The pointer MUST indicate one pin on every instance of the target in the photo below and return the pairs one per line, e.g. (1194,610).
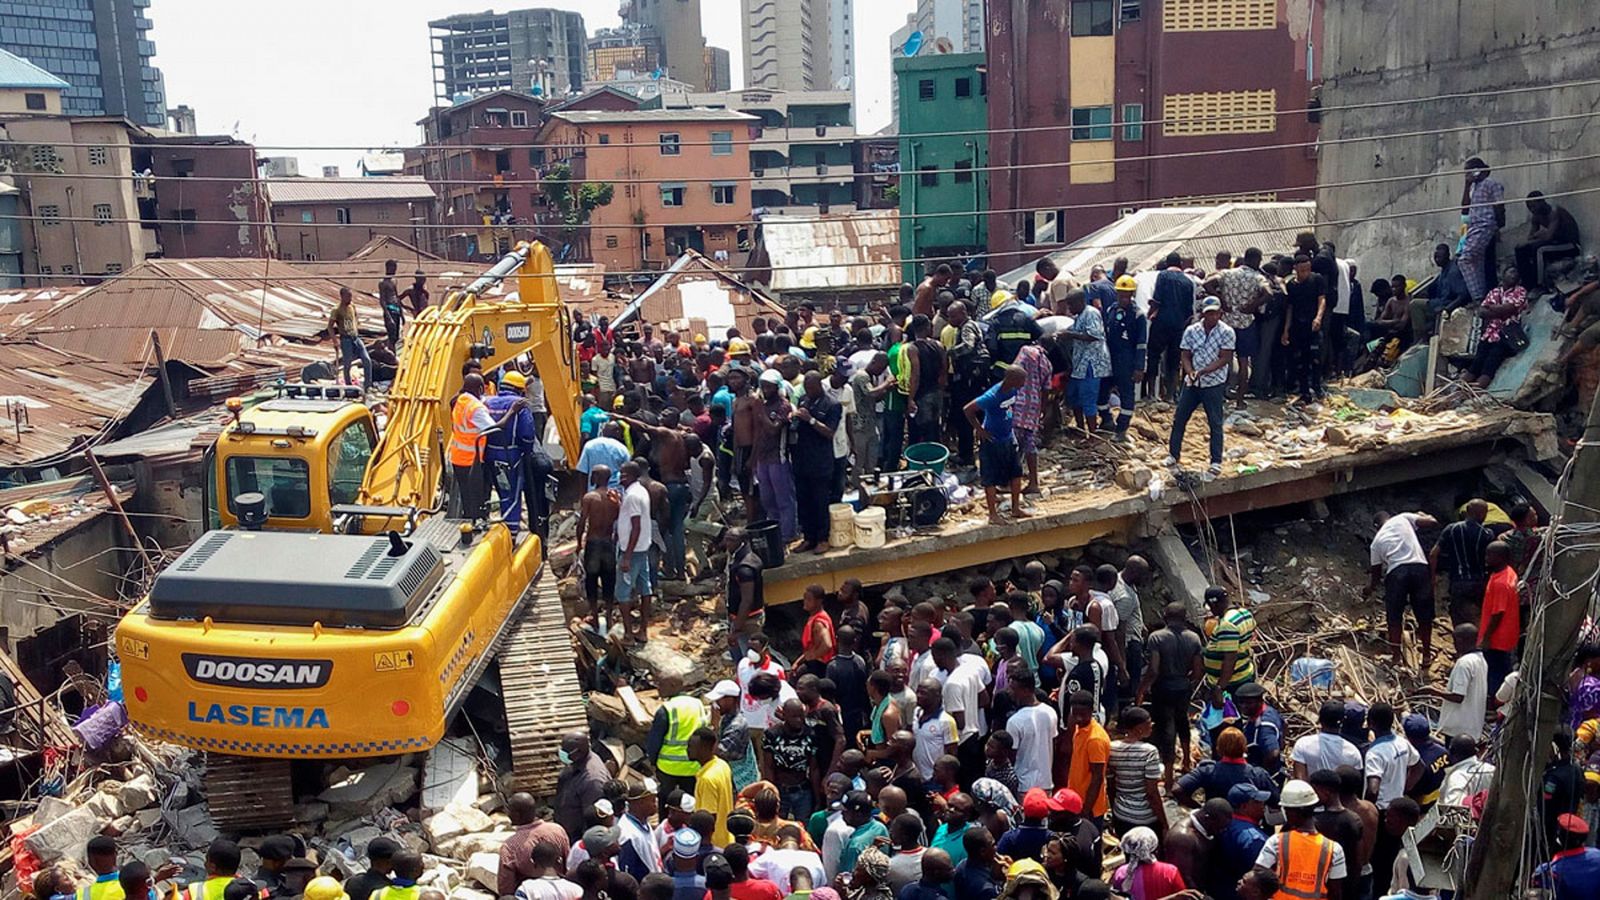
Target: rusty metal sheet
(861,250)
(50,397)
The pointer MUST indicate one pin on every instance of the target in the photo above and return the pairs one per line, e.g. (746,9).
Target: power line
(854,174)
(1024,129)
(1025,251)
(1175,200)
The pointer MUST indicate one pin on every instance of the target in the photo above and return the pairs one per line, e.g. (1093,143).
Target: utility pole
(1496,866)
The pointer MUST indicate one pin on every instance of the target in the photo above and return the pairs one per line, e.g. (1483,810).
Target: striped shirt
(1132,763)
(1232,633)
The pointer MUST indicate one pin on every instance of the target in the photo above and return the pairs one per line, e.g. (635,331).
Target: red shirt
(807,636)
(1500,596)
(752,889)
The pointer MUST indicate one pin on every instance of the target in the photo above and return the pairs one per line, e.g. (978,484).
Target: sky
(350,73)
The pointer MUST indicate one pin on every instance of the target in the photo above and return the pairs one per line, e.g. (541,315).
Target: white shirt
(1469,677)
(963,693)
(635,502)
(1341,300)
(932,737)
(1325,751)
(833,841)
(746,672)
(1108,612)
(761,715)
(776,864)
(1396,543)
(1464,779)
(843,396)
(1268,859)
(923,668)
(549,887)
(1388,759)
(632,831)
(534,391)
(1033,729)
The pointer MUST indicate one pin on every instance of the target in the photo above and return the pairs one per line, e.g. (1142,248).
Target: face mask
(564,756)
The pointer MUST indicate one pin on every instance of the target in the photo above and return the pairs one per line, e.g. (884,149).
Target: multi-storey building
(101,48)
(678,177)
(958,21)
(26,88)
(944,184)
(633,49)
(719,70)
(481,190)
(676,25)
(802,149)
(533,50)
(328,219)
(787,44)
(1096,75)
(842,44)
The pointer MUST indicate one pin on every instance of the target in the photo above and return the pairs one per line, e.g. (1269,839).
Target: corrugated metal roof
(16,72)
(349,190)
(20,306)
(630,116)
(825,253)
(1145,237)
(74,502)
(205,322)
(50,398)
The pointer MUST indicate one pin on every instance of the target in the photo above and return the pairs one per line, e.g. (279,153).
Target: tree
(574,201)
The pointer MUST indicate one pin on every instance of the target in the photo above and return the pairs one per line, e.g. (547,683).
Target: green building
(939,93)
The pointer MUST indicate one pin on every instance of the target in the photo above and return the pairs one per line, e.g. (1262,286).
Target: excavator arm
(407,466)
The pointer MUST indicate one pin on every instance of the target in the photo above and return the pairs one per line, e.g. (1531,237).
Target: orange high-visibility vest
(1303,864)
(464,437)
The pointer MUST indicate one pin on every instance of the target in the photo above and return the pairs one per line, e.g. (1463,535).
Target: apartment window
(382,214)
(46,270)
(502,162)
(721,143)
(185,219)
(69,269)
(605,138)
(99,156)
(183,168)
(1043,226)
(102,213)
(672,195)
(341,214)
(519,118)
(43,156)
(306,217)
(1130,11)
(1133,121)
(926,90)
(723,194)
(113,268)
(49,214)
(669,143)
(963,173)
(34,101)
(1092,18)
(611,242)
(929,176)
(536,154)
(1091,123)
(983,83)
(963,87)
(1219,15)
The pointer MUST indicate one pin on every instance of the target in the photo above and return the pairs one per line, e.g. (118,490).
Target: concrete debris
(662,660)
(451,776)
(369,790)
(194,826)
(50,809)
(65,837)
(466,893)
(139,793)
(311,811)
(1133,478)
(484,868)
(452,822)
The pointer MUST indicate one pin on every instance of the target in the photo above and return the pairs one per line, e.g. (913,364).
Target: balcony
(780,178)
(779,139)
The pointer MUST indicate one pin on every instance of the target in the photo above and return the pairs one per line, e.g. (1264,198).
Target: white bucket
(841,524)
(870,528)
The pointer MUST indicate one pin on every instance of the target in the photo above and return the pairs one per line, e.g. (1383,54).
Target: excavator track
(539,686)
(246,793)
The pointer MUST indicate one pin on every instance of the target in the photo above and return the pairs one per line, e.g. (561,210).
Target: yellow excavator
(340,611)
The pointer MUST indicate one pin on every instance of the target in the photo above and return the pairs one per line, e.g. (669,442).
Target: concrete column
(1171,556)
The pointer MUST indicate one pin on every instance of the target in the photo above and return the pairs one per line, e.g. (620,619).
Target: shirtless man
(642,369)
(747,412)
(928,290)
(597,543)
(672,460)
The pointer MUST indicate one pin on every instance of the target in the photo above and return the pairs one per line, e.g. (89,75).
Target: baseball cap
(721,690)
(1250,690)
(639,790)
(771,376)
(1127,283)
(1210,303)
(600,838)
(741,825)
(1035,804)
(1066,800)
(604,809)
(857,801)
(686,843)
(1572,824)
(514,379)
(1298,795)
(1416,726)
(1244,792)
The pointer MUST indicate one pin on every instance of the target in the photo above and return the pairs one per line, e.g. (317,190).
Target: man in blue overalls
(506,449)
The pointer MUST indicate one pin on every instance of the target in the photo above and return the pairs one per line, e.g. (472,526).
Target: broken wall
(1385,52)
(58,577)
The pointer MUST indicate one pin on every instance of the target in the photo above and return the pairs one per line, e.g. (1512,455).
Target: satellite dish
(913,44)
(943,45)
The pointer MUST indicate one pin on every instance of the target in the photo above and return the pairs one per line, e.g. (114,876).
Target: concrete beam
(1538,488)
(1171,556)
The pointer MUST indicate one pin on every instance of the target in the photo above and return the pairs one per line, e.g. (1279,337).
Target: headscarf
(995,795)
(1139,847)
(1025,873)
(874,863)
(825,893)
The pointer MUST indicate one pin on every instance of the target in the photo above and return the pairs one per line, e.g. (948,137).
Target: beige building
(786,44)
(26,88)
(330,219)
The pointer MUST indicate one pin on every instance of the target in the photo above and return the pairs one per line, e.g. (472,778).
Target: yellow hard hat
(737,346)
(999,298)
(325,887)
(513,378)
(699,339)
(808,339)
(1126,283)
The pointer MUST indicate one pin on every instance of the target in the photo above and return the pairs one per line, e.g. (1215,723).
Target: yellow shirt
(713,792)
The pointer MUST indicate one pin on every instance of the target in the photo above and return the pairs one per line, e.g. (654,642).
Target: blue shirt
(916,890)
(688,886)
(950,842)
(996,406)
(1127,334)
(604,451)
(591,420)
(1265,736)
(1024,841)
(1102,291)
(1174,296)
(1570,875)
(724,398)
(512,442)
(1239,844)
(975,883)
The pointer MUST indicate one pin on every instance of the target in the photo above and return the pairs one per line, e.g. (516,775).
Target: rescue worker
(506,449)
(325,887)
(1013,326)
(1126,339)
(344,328)
(102,855)
(667,745)
(470,423)
(222,867)
(135,880)
(1309,865)
(403,883)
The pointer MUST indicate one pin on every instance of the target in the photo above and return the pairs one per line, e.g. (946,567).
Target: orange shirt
(1500,596)
(1090,744)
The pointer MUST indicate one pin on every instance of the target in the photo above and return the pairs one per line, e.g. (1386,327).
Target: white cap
(687,804)
(603,808)
(721,689)
(771,376)
(1298,795)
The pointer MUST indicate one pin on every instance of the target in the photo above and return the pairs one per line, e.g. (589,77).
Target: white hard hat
(1298,795)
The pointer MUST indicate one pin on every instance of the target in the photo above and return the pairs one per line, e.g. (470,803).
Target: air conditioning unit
(822,168)
(822,131)
(822,208)
(758,173)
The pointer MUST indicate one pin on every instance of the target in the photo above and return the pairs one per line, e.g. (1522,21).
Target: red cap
(1571,823)
(1035,804)
(1067,800)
